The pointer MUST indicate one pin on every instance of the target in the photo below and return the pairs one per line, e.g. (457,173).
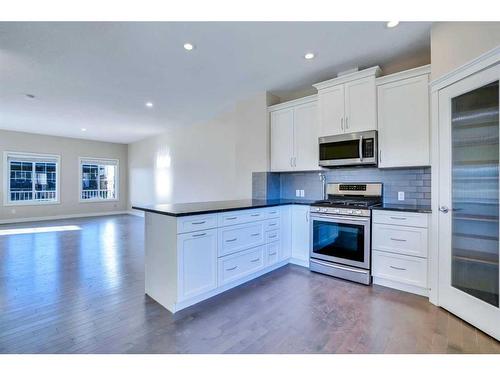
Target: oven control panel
(340,211)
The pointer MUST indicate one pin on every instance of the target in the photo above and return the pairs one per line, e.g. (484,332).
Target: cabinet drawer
(411,219)
(399,239)
(273,251)
(272,224)
(272,212)
(273,235)
(236,266)
(401,268)
(240,237)
(242,216)
(196,222)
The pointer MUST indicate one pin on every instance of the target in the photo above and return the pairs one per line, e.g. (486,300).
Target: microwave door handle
(361,148)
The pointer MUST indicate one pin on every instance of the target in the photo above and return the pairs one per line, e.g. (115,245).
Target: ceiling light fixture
(309,56)
(83,129)
(188,46)
(392,24)
(149,104)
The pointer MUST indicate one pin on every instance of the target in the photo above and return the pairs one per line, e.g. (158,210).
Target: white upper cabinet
(348,103)
(306,133)
(294,135)
(403,119)
(331,111)
(282,140)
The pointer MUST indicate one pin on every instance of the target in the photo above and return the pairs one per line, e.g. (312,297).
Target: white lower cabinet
(272,253)
(399,250)
(300,235)
(236,266)
(197,262)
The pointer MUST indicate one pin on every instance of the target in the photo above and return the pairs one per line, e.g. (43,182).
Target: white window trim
(97,161)
(6,178)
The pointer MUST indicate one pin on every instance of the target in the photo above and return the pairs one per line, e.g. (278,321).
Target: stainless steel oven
(348,149)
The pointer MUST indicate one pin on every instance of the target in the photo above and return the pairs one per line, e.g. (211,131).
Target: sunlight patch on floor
(61,228)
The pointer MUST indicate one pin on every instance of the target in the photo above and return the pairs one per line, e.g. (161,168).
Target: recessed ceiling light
(83,129)
(188,46)
(149,104)
(392,24)
(309,56)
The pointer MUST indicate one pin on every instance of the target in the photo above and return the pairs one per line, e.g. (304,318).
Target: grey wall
(69,149)
(415,182)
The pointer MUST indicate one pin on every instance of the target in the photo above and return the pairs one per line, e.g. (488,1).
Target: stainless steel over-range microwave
(348,149)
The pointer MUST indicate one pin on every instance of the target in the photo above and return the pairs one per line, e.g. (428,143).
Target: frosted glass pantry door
(469,199)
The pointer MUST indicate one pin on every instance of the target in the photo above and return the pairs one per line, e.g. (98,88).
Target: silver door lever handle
(444,209)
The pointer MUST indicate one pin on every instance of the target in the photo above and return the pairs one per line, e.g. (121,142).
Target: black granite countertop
(403,208)
(196,208)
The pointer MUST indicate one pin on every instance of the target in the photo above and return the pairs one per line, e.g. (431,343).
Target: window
(98,180)
(31,178)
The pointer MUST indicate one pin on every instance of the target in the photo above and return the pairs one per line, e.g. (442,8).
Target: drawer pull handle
(273,236)
(231,240)
(272,224)
(398,268)
(255,215)
(232,268)
(198,222)
(199,235)
(255,260)
(231,218)
(273,212)
(398,218)
(255,234)
(398,239)
(273,253)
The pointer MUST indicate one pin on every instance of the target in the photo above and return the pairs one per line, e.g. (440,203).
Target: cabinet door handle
(198,222)
(398,218)
(346,123)
(272,224)
(232,268)
(231,218)
(272,253)
(274,236)
(255,215)
(291,163)
(380,156)
(231,240)
(255,260)
(398,268)
(342,123)
(255,234)
(199,235)
(398,239)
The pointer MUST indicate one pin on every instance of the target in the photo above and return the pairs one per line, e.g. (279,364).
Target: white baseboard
(300,262)
(136,213)
(401,286)
(59,217)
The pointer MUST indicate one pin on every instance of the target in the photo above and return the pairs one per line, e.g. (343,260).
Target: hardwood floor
(78,288)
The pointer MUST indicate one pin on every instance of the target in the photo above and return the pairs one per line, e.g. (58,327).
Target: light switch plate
(302,193)
(297,193)
(401,195)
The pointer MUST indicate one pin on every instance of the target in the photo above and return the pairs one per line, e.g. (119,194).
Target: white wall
(70,150)
(202,162)
(456,43)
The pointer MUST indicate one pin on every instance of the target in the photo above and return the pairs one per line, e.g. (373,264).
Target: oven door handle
(341,218)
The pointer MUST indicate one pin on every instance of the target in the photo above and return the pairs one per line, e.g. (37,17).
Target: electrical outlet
(297,193)
(401,195)
(302,193)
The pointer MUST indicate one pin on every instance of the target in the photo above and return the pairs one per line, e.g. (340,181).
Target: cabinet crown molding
(374,71)
(293,103)
(410,73)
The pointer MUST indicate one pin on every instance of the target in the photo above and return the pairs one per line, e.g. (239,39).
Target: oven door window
(339,150)
(340,240)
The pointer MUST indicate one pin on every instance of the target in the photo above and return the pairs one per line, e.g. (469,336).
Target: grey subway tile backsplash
(415,182)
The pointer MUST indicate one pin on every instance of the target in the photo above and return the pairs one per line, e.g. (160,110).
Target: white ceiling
(99,75)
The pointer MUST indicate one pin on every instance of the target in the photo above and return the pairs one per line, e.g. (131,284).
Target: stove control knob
(336,211)
(318,209)
(349,212)
(324,210)
(357,212)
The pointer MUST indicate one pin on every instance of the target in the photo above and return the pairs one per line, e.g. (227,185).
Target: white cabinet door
(360,105)
(300,232)
(197,263)
(286,232)
(306,133)
(282,139)
(403,122)
(331,111)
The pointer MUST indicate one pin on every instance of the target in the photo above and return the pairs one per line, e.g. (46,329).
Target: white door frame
(482,62)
